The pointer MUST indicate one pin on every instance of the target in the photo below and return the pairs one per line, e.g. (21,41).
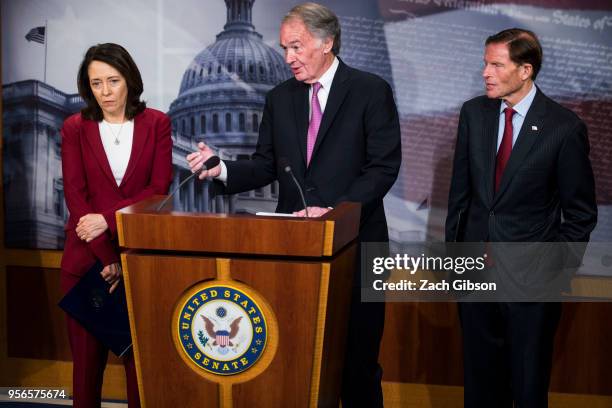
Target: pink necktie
(315,121)
(505,148)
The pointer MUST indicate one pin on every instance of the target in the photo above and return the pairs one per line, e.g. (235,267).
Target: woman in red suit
(114,153)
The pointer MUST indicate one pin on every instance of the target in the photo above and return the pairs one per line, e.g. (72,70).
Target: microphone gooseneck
(284,163)
(208,164)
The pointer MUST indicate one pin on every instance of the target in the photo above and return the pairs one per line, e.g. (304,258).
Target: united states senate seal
(220,328)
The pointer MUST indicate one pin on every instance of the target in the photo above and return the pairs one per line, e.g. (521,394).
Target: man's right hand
(196,159)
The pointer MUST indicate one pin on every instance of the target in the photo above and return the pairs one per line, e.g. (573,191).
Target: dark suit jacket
(548,174)
(356,157)
(90,187)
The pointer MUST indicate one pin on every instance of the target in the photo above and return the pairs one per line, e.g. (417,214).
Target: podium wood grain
(302,268)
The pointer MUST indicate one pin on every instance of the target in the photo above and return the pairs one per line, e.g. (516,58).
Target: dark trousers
(89,361)
(361,383)
(507,353)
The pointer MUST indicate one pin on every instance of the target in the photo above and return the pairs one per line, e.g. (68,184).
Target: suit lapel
(337,94)
(138,142)
(92,134)
(527,136)
(300,108)
(491,129)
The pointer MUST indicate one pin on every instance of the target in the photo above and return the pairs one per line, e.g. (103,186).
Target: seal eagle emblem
(221,329)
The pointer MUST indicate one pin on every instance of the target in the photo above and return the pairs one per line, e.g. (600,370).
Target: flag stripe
(37,34)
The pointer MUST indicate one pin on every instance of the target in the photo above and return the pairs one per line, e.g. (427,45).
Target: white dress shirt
(326,82)
(518,118)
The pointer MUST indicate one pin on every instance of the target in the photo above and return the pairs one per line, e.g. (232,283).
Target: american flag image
(37,34)
(222,337)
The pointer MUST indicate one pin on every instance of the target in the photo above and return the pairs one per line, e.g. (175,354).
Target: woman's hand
(91,226)
(112,275)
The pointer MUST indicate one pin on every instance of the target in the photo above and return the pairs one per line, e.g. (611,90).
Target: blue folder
(103,314)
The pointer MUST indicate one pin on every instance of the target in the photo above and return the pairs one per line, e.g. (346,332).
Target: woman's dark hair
(117,57)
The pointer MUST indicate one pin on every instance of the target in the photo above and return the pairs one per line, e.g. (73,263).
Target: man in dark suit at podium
(521,173)
(338,130)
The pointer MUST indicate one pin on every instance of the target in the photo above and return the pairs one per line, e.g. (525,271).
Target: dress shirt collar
(523,106)
(328,77)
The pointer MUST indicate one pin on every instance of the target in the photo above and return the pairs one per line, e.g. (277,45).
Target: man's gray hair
(319,20)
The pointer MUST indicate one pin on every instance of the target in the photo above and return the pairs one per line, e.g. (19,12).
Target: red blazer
(90,187)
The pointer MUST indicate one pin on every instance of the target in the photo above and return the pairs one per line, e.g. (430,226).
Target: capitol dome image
(220,102)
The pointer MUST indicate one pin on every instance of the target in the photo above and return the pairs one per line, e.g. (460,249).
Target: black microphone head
(211,162)
(284,164)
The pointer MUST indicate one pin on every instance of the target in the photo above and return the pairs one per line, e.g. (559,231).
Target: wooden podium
(238,310)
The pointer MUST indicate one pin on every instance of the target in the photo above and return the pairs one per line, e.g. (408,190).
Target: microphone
(213,161)
(284,163)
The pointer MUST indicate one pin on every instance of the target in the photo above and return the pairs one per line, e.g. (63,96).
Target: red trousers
(89,361)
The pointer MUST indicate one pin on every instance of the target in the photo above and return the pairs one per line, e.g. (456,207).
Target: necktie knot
(315,88)
(509,114)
